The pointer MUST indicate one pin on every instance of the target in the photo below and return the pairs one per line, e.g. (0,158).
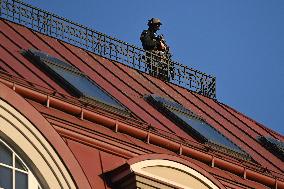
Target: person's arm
(161,46)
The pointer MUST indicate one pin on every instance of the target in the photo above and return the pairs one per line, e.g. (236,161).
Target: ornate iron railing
(106,46)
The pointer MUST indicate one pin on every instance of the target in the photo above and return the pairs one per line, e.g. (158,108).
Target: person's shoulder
(145,31)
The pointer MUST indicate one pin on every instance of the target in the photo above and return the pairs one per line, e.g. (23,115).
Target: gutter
(151,138)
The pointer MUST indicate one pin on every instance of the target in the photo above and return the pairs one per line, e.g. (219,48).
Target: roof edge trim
(150,137)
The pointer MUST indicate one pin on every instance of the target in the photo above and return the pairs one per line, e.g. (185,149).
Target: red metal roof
(128,86)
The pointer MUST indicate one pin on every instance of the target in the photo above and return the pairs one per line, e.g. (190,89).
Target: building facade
(78,109)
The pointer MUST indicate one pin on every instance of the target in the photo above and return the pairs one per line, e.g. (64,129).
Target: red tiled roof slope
(128,86)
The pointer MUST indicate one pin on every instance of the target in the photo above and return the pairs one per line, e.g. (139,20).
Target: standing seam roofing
(129,86)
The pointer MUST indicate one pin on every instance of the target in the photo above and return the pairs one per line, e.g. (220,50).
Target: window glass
(74,79)
(19,164)
(21,180)
(50,59)
(6,178)
(5,155)
(84,85)
(279,144)
(275,146)
(15,175)
(207,131)
(191,123)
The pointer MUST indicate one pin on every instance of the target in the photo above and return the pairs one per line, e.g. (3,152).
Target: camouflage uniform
(157,58)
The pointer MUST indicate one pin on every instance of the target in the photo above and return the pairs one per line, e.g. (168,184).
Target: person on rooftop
(157,51)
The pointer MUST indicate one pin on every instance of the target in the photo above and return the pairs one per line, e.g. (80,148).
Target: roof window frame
(45,62)
(272,145)
(166,107)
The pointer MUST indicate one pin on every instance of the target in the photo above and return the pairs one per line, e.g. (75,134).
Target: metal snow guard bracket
(105,46)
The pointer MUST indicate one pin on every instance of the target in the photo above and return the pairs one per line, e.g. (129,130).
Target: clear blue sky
(241,42)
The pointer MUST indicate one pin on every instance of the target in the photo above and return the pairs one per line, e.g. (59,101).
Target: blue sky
(241,42)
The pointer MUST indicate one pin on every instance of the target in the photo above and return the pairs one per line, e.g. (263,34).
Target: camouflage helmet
(154,21)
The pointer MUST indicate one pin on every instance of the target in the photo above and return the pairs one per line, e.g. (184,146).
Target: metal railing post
(0,8)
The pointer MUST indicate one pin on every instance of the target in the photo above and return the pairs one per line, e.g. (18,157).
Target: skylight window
(194,125)
(74,80)
(275,146)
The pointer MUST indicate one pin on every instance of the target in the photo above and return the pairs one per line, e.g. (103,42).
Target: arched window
(25,152)
(14,173)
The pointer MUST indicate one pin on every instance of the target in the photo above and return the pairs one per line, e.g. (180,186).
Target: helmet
(153,21)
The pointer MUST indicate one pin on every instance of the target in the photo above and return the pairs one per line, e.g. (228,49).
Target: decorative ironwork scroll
(106,46)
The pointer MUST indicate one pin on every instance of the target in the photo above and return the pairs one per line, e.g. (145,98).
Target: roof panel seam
(122,92)
(232,133)
(27,67)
